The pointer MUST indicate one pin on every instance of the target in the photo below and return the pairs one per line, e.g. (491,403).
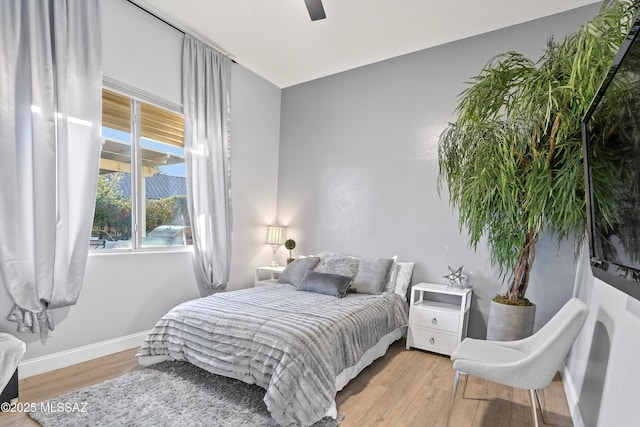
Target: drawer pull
(432,341)
(434,321)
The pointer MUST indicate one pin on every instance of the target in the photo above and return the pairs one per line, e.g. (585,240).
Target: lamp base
(274,263)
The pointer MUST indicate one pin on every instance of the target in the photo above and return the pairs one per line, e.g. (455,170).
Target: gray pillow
(295,271)
(325,283)
(372,276)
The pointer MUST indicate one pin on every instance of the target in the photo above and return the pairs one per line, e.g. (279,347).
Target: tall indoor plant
(512,160)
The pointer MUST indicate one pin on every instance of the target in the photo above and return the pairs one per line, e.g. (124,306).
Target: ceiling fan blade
(316,11)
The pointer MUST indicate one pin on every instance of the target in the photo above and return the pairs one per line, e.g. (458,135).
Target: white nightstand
(274,273)
(438,317)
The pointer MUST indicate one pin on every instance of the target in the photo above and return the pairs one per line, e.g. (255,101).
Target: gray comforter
(291,343)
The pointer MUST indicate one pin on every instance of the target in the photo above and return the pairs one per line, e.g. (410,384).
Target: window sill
(142,251)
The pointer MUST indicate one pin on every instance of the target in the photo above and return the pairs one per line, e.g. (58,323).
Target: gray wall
(358,164)
(126,293)
(255,124)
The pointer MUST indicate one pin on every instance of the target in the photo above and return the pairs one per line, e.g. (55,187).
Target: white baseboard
(40,365)
(572,397)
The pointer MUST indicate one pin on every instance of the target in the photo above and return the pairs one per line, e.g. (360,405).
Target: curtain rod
(175,28)
(155,16)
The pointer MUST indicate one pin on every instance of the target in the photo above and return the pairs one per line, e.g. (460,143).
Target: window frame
(138,207)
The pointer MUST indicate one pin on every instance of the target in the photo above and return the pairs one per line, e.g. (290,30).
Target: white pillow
(308,256)
(403,280)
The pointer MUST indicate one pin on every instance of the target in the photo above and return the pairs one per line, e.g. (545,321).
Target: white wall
(358,165)
(140,51)
(601,379)
(126,293)
(255,127)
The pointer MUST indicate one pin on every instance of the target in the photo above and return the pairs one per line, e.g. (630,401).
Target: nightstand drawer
(425,317)
(432,340)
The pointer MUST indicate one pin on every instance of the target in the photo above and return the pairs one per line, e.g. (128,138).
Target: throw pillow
(325,283)
(295,271)
(372,276)
(393,274)
(337,264)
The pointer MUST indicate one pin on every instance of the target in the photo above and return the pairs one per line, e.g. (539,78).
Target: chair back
(551,344)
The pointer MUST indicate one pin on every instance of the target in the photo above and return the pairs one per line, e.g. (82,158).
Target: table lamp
(275,238)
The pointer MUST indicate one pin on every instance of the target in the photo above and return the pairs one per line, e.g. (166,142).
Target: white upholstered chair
(11,352)
(529,363)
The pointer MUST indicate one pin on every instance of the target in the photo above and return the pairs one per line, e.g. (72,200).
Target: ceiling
(277,40)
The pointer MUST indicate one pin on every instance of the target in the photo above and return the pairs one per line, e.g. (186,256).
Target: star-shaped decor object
(455,277)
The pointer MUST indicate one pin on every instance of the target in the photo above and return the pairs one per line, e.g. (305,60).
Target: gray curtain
(50,106)
(206,80)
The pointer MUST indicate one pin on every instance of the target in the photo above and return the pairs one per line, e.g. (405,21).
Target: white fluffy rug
(166,394)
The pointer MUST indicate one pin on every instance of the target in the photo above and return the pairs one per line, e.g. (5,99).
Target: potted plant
(290,245)
(512,160)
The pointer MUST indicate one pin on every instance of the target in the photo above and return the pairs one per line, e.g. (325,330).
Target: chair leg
(464,390)
(453,395)
(544,421)
(534,411)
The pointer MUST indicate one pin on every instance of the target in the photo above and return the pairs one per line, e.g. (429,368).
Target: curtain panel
(50,103)
(206,80)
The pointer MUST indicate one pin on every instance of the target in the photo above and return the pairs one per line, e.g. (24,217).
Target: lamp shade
(276,234)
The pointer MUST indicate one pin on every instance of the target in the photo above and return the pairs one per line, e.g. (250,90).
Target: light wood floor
(404,388)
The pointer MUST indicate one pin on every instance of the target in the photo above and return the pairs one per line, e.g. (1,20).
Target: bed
(301,345)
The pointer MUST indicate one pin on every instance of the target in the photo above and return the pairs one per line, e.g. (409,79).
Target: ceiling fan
(316,11)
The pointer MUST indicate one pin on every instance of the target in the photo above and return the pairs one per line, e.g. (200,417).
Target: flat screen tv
(611,139)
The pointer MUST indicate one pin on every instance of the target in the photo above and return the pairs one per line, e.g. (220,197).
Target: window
(141,200)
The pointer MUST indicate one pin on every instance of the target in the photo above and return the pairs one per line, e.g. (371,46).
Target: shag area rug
(166,394)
